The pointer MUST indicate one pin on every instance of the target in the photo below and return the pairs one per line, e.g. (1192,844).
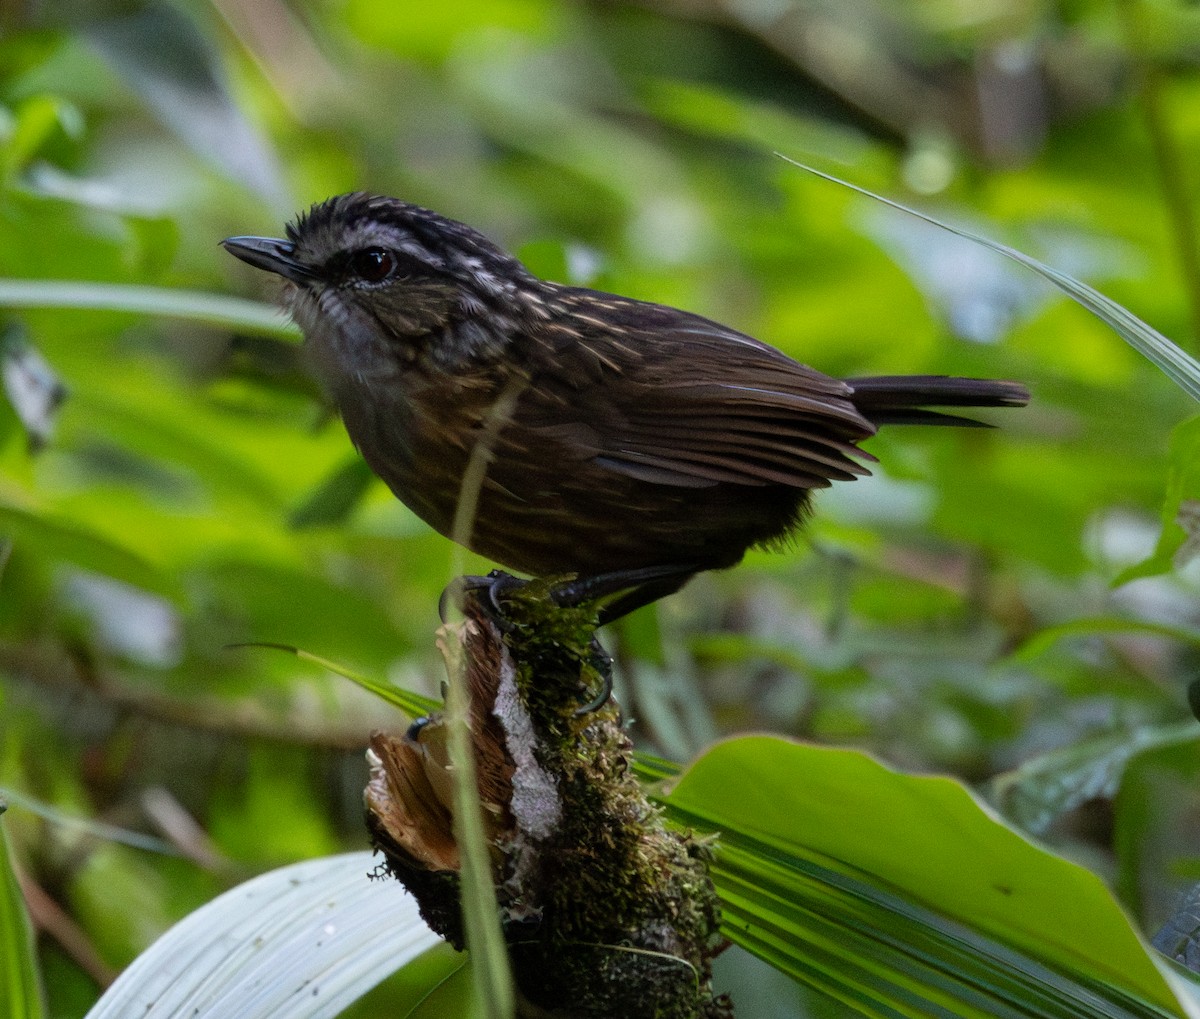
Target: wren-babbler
(628,443)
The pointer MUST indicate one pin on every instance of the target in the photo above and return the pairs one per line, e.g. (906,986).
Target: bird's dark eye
(373,265)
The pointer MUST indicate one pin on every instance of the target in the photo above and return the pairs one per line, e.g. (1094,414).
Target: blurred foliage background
(170,487)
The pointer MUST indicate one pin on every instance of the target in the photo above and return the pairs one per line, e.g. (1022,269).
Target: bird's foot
(495,588)
(602,662)
(622,591)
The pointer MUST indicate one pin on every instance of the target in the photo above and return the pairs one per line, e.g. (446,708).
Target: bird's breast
(418,433)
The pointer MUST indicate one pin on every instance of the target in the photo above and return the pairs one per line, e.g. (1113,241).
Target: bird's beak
(270,253)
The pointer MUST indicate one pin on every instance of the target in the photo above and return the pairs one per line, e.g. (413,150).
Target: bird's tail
(906,399)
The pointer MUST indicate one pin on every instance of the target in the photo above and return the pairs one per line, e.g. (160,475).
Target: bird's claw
(494,587)
(602,662)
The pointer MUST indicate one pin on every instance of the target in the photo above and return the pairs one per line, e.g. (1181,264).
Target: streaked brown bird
(628,443)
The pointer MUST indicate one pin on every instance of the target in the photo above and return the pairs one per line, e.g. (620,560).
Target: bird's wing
(675,399)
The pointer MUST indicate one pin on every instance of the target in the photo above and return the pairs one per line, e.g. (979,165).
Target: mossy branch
(606,911)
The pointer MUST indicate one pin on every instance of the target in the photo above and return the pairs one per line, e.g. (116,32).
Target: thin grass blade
(1176,363)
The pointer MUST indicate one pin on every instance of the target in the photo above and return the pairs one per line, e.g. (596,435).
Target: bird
(562,432)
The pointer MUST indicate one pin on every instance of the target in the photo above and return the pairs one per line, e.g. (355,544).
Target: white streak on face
(486,280)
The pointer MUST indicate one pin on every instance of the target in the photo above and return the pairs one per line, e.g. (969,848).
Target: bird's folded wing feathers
(677,418)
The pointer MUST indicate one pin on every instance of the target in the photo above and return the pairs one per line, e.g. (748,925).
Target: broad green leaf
(655,769)
(65,541)
(1185,984)
(301,942)
(1173,361)
(20,986)
(452,997)
(903,895)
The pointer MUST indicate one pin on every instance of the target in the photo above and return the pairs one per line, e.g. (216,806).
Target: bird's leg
(497,584)
(619,592)
(622,591)
(633,589)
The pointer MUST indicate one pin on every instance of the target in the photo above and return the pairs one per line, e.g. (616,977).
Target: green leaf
(654,769)
(20,988)
(453,996)
(299,942)
(1042,789)
(211,309)
(412,704)
(1183,487)
(903,895)
(68,542)
(428,31)
(163,56)
(1154,826)
(1044,639)
(38,118)
(1173,361)
(34,390)
(335,498)
(710,111)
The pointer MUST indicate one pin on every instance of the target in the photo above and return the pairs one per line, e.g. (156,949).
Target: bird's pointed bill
(270,253)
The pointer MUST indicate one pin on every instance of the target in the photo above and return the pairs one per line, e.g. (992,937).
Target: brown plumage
(632,444)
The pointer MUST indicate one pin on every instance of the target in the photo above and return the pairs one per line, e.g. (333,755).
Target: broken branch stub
(606,911)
